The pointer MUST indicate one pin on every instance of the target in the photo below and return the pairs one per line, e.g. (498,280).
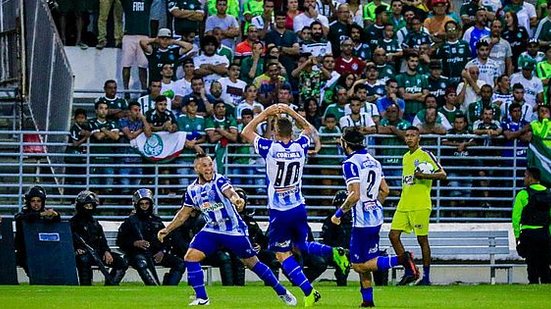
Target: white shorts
(132,53)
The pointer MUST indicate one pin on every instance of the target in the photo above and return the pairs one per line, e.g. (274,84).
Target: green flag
(539,156)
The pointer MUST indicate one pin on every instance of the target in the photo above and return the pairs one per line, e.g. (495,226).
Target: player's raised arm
(249,132)
(181,217)
(307,128)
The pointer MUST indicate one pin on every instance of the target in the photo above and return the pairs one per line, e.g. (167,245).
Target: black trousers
(142,263)
(86,261)
(535,246)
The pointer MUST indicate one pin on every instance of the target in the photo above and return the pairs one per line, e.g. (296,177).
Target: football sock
(426,273)
(367,294)
(296,276)
(264,273)
(386,262)
(316,248)
(196,280)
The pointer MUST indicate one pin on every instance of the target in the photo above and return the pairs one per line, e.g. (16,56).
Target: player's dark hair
(487,86)
(534,172)
(234,64)
(329,116)
(80,111)
(247,112)
(513,106)
(201,155)
(518,86)
(429,96)
(412,128)
(280,13)
(109,81)
(316,23)
(480,44)
(389,81)
(412,54)
(160,98)
(359,87)
(284,127)
(380,9)
(209,39)
(100,102)
(354,138)
(133,103)
(462,116)
(488,108)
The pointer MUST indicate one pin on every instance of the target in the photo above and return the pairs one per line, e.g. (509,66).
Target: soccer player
(414,208)
(285,159)
(212,194)
(367,190)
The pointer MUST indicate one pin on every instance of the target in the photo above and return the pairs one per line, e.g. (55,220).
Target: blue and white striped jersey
(361,167)
(222,217)
(284,166)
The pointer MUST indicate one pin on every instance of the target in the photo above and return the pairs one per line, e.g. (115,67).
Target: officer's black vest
(537,211)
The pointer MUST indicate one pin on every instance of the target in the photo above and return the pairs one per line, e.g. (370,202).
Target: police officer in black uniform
(338,235)
(531,219)
(34,210)
(88,232)
(138,239)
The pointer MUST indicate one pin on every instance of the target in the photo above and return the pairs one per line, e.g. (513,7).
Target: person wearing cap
(533,52)
(163,50)
(437,82)
(226,22)
(543,70)
(533,87)
(435,23)
(454,53)
(500,49)
(474,33)
(543,31)
(188,15)
(516,35)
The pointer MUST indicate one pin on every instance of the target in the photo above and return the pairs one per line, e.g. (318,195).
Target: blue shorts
(364,244)
(208,243)
(287,228)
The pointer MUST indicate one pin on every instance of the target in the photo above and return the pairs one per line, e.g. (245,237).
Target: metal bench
(111,237)
(457,249)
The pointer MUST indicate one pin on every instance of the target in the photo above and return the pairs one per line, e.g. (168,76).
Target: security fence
(482,180)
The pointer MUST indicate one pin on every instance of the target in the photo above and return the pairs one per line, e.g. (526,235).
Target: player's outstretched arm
(181,217)
(249,132)
(234,198)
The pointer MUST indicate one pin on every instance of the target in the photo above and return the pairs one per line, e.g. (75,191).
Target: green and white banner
(161,146)
(539,155)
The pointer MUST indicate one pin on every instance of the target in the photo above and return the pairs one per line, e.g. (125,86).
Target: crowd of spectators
(213,65)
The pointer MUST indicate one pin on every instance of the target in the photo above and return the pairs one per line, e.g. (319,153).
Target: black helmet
(339,198)
(139,195)
(36,191)
(242,194)
(86,197)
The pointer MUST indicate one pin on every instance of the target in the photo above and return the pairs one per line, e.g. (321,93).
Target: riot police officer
(138,239)
(34,210)
(90,244)
(531,212)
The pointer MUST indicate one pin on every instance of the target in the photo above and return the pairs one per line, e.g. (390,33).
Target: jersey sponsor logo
(370,206)
(283,244)
(207,206)
(287,155)
(153,146)
(408,180)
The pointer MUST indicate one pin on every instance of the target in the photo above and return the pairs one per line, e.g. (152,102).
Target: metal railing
(480,187)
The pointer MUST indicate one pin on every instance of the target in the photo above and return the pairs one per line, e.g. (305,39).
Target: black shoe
(423,282)
(407,279)
(367,304)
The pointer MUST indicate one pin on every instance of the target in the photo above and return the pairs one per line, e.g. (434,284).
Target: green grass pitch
(256,296)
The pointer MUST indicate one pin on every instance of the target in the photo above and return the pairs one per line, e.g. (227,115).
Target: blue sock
(264,273)
(386,262)
(367,294)
(195,278)
(316,248)
(296,276)
(426,273)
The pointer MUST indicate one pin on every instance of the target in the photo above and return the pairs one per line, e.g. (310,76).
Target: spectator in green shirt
(244,155)
(221,130)
(194,126)
(329,153)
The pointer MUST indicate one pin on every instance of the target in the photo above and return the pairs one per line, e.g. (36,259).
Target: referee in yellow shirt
(414,208)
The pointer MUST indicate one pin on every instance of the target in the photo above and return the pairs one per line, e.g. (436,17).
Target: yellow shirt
(416,192)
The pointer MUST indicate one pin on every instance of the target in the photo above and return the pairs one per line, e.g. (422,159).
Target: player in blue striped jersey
(212,194)
(367,190)
(285,159)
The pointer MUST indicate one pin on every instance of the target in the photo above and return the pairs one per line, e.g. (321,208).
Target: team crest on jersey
(153,146)
(354,66)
